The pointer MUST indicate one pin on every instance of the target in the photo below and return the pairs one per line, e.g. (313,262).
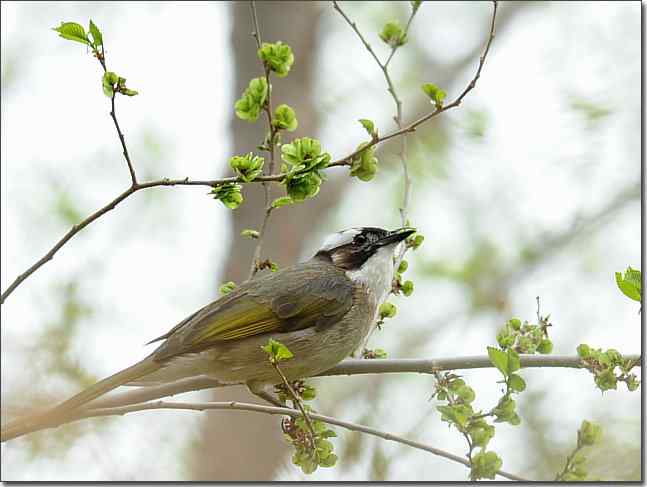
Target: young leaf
(73,32)
(369,126)
(97,38)
(517,384)
(499,359)
(277,351)
(630,284)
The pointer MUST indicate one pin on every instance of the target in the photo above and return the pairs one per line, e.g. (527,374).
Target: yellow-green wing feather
(310,294)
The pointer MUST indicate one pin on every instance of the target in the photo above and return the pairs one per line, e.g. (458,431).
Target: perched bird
(322,310)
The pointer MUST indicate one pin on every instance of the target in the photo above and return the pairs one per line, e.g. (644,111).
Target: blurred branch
(257,408)
(351,367)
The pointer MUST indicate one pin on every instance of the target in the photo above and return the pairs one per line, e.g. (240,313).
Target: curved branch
(257,408)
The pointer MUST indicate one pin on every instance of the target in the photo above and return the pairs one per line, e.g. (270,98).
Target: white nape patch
(340,238)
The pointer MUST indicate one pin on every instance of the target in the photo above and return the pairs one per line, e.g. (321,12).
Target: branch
(344,161)
(238,406)
(350,367)
(254,268)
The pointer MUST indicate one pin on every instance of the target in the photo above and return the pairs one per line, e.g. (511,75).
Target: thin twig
(257,408)
(113,115)
(384,67)
(296,400)
(344,161)
(254,267)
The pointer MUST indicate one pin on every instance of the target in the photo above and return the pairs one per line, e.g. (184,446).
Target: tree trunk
(247,446)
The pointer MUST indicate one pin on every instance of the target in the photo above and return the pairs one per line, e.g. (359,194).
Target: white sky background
(153,260)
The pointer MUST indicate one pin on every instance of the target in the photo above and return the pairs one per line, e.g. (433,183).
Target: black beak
(395,236)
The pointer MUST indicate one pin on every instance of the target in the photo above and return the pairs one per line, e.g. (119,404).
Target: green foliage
(608,368)
(276,351)
(249,105)
(112,83)
(227,287)
(435,94)
(109,81)
(404,265)
(249,233)
(369,126)
(97,37)
(247,167)
(393,34)
(229,194)
(364,164)
(415,4)
(373,354)
(277,57)
(73,32)
(414,241)
(285,118)
(526,338)
(282,201)
(589,434)
(630,284)
(387,310)
(310,452)
(485,465)
(304,160)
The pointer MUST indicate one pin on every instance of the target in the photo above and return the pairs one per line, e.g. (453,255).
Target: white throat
(376,273)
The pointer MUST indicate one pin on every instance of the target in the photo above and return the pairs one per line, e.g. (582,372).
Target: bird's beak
(396,236)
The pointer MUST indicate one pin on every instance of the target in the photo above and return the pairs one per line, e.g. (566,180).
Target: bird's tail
(53,416)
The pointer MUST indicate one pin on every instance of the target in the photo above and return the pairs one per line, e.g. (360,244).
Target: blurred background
(530,188)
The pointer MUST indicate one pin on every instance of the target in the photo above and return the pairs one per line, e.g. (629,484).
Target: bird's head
(352,248)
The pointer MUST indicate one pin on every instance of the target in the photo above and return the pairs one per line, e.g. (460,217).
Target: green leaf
(514,363)
(517,384)
(515,323)
(387,310)
(364,164)
(499,359)
(630,284)
(277,56)
(128,91)
(249,105)
(466,393)
(227,287)
(109,81)
(393,34)
(282,201)
(545,346)
(583,350)
(249,233)
(485,465)
(229,194)
(369,126)
(589,433)
(97,38)
(436,94)
(277,351)
(404,265)
(247,167)
(73,32)
(285,118)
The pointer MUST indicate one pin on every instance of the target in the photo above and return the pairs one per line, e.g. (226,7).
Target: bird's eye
(360,239)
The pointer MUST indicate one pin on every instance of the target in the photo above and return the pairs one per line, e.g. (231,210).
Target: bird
(322,310)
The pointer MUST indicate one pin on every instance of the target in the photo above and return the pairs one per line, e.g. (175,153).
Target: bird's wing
(298,297)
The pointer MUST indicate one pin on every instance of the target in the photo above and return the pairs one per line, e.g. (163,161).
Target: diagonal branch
(257,408)
(344,161)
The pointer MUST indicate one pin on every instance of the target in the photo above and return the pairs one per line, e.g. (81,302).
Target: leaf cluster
(608,368)
(304,160)
(230,194)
